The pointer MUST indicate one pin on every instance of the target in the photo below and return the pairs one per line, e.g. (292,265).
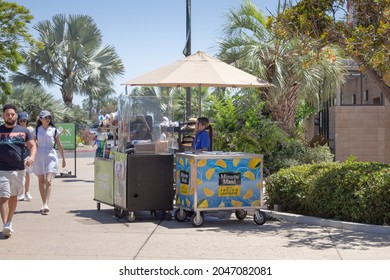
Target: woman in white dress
(45,166)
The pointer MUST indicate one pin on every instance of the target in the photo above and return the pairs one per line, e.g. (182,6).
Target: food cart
(214,181)
(135,173)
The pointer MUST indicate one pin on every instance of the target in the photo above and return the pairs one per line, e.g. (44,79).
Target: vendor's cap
(44,114)
(22,116)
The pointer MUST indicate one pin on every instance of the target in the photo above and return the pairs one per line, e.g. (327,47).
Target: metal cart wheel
(119,212)
(259,217)
(131,217)
(98,206)
(180,215)
(241,214)
(197,219)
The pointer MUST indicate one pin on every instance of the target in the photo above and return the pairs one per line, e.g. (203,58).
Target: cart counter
(104,179)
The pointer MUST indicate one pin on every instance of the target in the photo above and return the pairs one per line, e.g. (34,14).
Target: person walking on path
(45,167)
(23,120)
(13,139)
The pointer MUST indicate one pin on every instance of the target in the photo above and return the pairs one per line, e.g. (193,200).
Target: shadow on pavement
(107,216)
(297,235)
(76,180)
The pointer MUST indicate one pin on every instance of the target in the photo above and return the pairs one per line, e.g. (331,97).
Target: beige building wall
(358,123)
(361,131)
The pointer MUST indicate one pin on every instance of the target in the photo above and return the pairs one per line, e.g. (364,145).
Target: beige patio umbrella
(201,70)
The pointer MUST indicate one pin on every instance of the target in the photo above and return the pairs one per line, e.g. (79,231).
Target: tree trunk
(67,97)
(90,105)
(285,111)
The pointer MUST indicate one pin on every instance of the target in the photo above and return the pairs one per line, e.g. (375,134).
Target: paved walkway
(76,230)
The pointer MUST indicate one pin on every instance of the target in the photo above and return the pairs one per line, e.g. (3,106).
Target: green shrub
(296,152)
(350,191)
(240,124)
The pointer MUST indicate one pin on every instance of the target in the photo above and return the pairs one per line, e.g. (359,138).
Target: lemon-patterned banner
(229,191)
(220,183)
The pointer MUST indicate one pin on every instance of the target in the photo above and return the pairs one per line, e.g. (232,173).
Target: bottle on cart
(112,151)
(107,150)
(102,148)
(101,139)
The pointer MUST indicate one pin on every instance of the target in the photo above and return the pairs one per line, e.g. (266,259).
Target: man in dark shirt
(13,139)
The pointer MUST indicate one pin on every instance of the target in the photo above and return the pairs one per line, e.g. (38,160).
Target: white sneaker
(44,209)
(28,196)
(7,230)
(21,197)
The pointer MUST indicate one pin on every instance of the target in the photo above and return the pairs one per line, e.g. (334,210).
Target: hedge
(350,191)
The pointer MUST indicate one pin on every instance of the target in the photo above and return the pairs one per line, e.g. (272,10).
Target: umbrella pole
(188,104)
(199,101)
(187,52)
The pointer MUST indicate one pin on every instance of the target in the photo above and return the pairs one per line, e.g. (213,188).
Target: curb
(310,220)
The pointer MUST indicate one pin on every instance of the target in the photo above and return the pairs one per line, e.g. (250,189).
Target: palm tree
(172,100)
(298,72)
(95,91)
(146,99)
(72,58)
(33,99)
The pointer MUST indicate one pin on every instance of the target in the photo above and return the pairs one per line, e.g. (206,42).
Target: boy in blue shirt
(202,141)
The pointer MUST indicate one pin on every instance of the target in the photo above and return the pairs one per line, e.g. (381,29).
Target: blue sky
(147,34)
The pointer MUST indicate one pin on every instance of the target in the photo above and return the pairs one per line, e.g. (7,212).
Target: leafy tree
(108,104)
(297,72)
(33,99)
(95,92)
(363,33)
(162,92)
(72,57)
(14,20)
(239,124)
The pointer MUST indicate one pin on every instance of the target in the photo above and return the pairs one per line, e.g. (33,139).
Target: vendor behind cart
(202,141)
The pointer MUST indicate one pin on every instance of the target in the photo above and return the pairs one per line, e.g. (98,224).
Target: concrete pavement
(76,230)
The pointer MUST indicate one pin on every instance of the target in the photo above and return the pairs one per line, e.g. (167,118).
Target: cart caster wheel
(98,206)
(180,215)
(241,214)
(259,217)
(119,212)
(131,217)
(197,220)
(168,216)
